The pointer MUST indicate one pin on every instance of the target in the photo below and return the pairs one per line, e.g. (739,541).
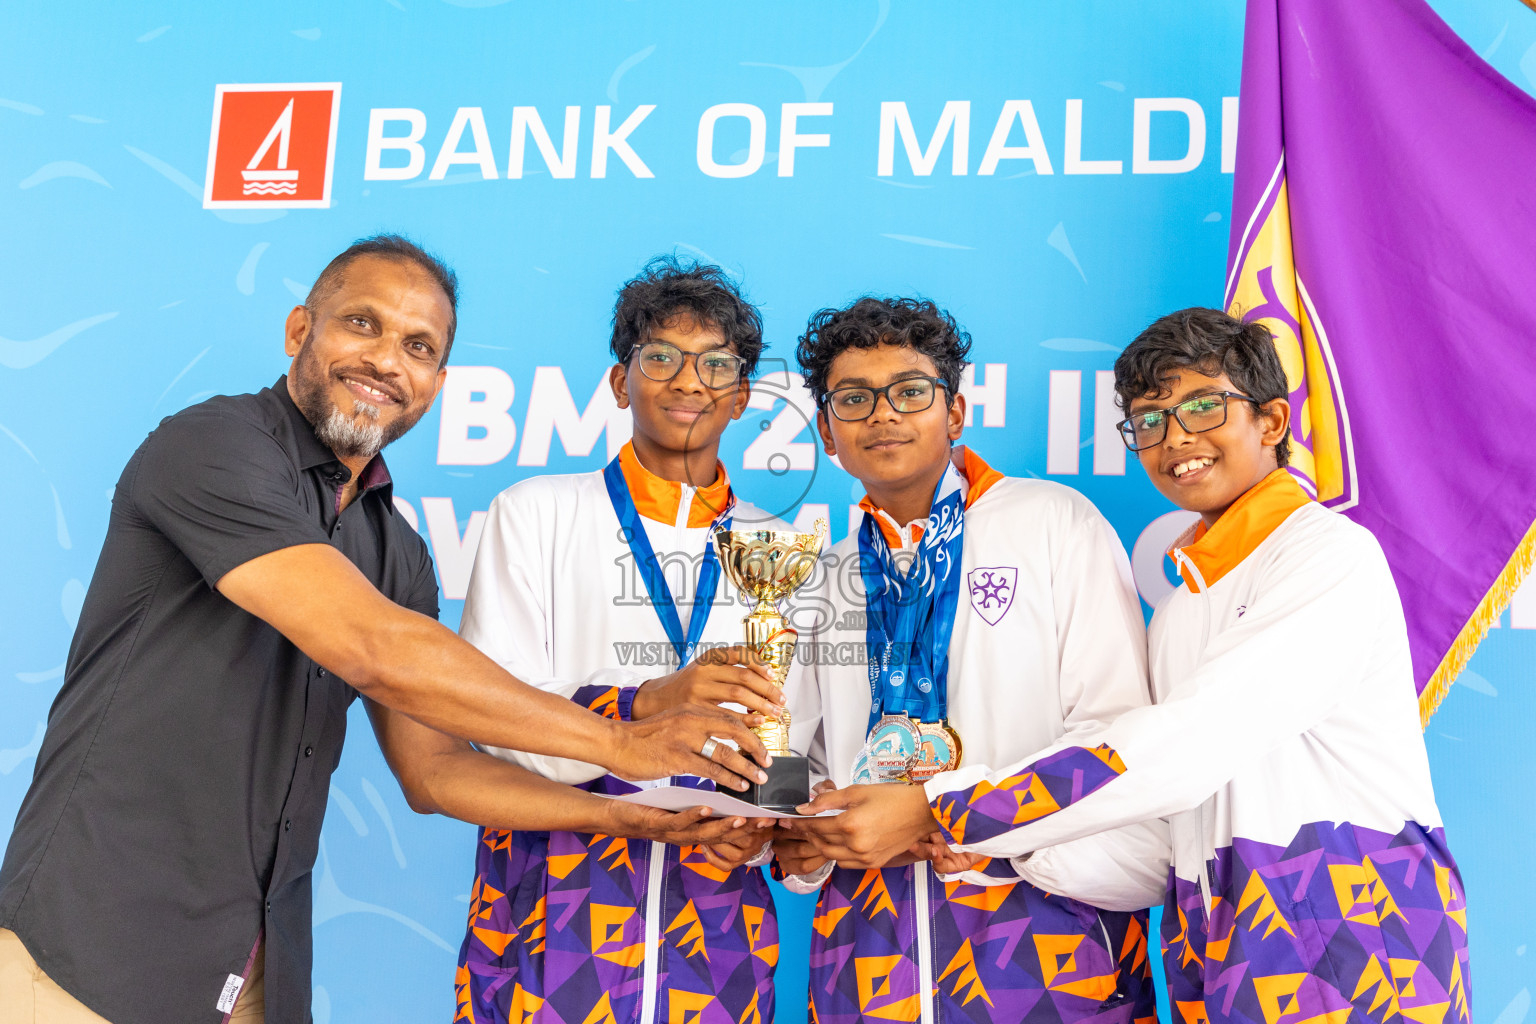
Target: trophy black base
(788,785)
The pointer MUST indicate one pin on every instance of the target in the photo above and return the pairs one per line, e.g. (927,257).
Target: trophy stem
(770,564)
(766,634)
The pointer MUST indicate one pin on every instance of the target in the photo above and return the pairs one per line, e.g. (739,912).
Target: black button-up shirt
(175,808)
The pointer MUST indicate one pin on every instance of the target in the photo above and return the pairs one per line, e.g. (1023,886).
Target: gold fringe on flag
(1488,611)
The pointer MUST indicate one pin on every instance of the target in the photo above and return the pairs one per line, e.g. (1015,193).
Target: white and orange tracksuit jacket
(591,927)
(1310,879)
(1048,644)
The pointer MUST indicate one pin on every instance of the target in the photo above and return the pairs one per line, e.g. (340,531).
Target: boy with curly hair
(998,616)
(570,570)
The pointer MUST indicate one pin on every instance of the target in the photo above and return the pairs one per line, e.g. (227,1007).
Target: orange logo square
(272,145)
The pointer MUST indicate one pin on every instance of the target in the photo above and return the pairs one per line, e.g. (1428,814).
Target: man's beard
(349,438)
(356,436)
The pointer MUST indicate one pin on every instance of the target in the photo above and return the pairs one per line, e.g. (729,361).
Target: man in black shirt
(255,578)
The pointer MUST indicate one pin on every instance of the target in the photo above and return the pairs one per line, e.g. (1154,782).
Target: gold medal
(954,745)
(938,750)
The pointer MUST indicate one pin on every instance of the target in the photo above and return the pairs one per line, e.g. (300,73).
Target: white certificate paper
(680,798)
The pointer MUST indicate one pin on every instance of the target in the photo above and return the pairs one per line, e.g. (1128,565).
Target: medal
(862,774)
(938,750)
(892,743)
(910,615)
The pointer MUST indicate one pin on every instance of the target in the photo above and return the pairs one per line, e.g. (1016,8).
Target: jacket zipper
(655,881)
(1207,848)
(657,869)
(920,873)
(684,506)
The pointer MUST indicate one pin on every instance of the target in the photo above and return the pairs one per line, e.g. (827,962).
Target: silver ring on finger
(708,750)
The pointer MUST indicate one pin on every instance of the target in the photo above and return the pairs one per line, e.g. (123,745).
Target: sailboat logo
(272,146)
(281,180)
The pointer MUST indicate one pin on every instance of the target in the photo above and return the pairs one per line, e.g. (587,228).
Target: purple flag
(1384,228)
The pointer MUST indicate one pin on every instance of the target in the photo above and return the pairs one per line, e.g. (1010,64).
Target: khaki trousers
(28,996)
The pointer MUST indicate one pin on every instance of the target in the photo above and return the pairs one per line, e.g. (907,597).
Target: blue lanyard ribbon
(650,569)
(910,616)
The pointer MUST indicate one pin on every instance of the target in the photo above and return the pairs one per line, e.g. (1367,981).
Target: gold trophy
(768,565)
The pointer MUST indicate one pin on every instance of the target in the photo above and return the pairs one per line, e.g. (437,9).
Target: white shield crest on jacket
(992,589)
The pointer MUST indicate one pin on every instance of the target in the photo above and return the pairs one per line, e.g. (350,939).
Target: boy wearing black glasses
(1310,877)
(608,578)
(992,616)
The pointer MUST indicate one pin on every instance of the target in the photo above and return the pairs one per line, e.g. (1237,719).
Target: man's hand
(726,843)
(879,823)
(445,775)
(730,675)
(407,662)
(691,827)
(672,743)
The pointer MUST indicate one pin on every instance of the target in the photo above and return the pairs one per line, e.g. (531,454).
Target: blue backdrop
(1053,230)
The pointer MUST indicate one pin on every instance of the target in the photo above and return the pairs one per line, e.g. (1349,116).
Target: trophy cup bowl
(767,566)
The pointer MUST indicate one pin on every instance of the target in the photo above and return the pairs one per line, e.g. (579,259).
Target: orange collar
(979,478)
(658,499)
(1241,528)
